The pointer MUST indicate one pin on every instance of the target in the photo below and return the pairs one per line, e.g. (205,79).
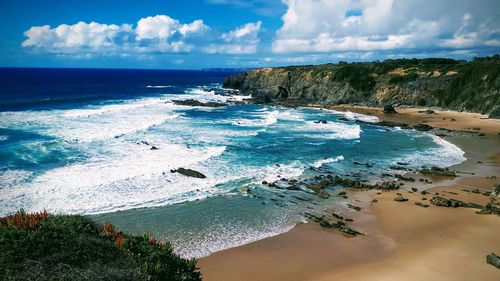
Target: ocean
(79,141)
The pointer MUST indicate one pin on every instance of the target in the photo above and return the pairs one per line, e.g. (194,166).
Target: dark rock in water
(493,259)
(343,119)
(321,122)
(414,189)
(356,208)
(400,198)
(401,177)
(454,203)
(264,182)
(342,193)
(154,148)
(438,172)
(339,225)
(189,173)
(388,108)
(422,127)
(193,102)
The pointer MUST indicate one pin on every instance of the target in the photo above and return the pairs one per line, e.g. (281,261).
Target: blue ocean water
(79,141)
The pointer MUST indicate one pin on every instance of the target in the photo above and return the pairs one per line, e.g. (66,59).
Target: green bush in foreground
(69,247)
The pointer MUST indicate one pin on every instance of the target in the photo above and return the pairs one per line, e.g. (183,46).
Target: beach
(401,241)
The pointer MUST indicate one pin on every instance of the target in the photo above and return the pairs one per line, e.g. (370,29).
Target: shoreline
(401,239)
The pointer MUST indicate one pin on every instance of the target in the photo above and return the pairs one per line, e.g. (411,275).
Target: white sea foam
(134,176)
(445,155)
(275,172)
(361,117)
(13,178)
(322,162)
(3,138)
(85,125)
(233,237)
(159,86)
(266,119)
(331,130)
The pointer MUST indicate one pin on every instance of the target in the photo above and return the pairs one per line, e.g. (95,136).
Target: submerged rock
(189,173)
(320,122)
(193,102)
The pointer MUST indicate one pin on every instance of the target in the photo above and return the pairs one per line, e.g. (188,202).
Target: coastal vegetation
(440,82)
(41,246)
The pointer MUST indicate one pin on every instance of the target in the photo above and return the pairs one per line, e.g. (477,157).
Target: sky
(194,34)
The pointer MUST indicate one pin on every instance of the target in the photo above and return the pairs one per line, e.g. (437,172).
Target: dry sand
(402,240)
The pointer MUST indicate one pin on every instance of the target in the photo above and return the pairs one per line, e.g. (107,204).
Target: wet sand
(402,241)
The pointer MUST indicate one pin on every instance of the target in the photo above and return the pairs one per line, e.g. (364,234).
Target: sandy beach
(402,241)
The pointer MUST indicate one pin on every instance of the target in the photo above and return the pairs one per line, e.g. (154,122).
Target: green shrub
(69,247)
(357,75)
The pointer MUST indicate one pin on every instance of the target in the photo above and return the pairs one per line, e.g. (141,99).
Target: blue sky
(239,33)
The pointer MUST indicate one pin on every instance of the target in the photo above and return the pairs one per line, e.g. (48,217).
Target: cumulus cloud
(71,38)
(153,34)
(318,26)
(242,40)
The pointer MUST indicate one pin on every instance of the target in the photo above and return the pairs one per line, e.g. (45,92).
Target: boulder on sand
(388,108)
(493,259)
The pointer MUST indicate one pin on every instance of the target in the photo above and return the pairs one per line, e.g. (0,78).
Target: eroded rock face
(401,82)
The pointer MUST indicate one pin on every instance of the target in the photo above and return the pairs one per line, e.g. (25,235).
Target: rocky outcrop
(436,171)
(493,259)
(458,85)
(331,223)
(453,203)
(189,173)
(192,102)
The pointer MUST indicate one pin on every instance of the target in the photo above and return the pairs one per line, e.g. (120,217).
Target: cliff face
(459,85)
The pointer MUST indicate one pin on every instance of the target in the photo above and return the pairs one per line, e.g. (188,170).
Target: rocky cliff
(458,85)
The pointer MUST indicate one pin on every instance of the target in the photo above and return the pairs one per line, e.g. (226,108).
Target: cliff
(447,83)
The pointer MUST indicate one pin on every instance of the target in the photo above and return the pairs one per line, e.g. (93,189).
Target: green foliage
(358,75)
(74,248)
(401,79)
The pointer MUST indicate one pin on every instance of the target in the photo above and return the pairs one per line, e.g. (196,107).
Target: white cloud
(159,33)
(71,38)
(157,27)
(331,26)
(242,40)
(154,34)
